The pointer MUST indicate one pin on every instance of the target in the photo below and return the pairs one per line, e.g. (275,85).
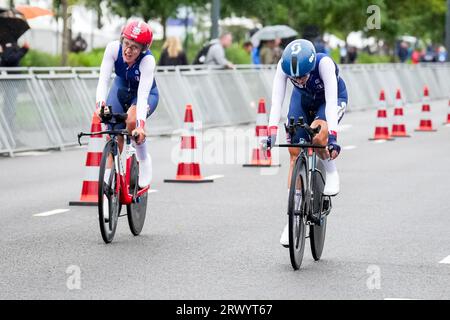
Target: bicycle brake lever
(79,137)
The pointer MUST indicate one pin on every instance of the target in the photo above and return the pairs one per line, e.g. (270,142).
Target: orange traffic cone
(89,190)
(399,127)
(189,168)
(260,158)
(425,123)
(382,129)
(448,115)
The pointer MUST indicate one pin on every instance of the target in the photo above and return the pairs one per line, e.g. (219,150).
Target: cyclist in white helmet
(319,96)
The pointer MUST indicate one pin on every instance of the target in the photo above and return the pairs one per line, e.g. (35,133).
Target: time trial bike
(308,207)
(118,179)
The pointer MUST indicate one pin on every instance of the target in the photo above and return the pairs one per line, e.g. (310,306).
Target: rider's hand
(333,148)
(98,108)
(139,132)
(271,138)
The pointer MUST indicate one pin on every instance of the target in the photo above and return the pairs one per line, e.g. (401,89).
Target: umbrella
(12,26)
(31,12)
(272,33)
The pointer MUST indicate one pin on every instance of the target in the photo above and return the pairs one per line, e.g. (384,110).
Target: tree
(61,7)
(96,5)
(151,9)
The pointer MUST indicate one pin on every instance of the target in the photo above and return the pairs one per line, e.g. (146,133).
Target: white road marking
(32,153)
(399,299)
(445,260)
(50,213)
(349,147)
(152,191)
(216,176)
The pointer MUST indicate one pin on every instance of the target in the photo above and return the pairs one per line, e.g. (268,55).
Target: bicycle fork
(325,201)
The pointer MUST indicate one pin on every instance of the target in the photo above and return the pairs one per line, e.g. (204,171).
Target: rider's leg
(144,158)
(116,107)
(332,176)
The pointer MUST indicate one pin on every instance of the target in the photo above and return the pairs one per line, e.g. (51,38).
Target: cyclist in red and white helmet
(134,89)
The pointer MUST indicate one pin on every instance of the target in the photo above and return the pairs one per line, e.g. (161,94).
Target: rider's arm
(147,68)
(278,92)
(109,57)
(327,71)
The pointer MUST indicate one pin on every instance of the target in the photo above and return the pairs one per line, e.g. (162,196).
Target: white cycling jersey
(327,73)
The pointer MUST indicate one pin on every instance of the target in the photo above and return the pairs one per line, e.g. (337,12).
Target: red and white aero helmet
(138,31)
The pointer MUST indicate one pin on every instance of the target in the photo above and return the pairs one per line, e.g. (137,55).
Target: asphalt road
(386,236)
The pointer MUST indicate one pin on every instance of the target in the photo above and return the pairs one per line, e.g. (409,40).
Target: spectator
(403,51)
(342,54)
(173,54)
(78,44)
(429,55)
(319,44)
(216,53)
(442,54)
(255,55)
(248,47)
(12,53)
(255,49)
(269,53)
(352,55)
(415,56)
(277,51)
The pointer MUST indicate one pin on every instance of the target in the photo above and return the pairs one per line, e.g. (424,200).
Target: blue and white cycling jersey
(133,85)
(323,94)
(315,87)
(130,76)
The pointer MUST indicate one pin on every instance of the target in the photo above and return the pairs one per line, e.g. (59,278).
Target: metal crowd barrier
(45,108)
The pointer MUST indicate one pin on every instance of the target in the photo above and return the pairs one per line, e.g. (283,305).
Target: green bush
(35,58)
(238,55)
(368,58)
(86,59)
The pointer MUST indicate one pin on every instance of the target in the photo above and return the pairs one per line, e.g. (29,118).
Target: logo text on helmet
(296,48)
(136,30)
(311,58)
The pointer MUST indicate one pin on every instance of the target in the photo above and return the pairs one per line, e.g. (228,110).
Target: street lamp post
(215,16)
(447,30)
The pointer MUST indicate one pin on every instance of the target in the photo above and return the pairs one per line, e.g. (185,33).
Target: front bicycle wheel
(297,213)
(136,211)
(108,197)
(317,230)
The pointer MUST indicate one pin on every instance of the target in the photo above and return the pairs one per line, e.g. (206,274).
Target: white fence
(46,107)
